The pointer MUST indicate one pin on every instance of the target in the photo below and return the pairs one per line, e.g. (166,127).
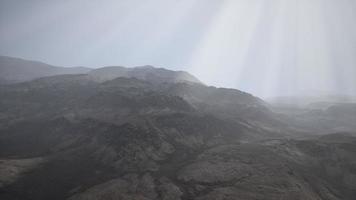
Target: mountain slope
(147,73)
(117,127)
(14,70)
(147,133)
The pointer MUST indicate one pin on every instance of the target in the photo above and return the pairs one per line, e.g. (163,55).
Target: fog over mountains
(150,133)
(268,48)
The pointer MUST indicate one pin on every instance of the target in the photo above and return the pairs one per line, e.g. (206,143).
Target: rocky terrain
(150,133)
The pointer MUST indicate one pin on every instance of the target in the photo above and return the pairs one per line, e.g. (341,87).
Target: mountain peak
(146,73)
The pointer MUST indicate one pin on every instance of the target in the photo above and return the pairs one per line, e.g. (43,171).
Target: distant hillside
(13,70)
(146,73)
(311,101)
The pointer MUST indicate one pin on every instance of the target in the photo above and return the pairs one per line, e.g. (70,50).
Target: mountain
(148,133)
(311,101)
(320,114)
(147,73)
(118,127)
(13,70)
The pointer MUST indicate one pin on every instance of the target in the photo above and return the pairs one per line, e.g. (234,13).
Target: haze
(267,48)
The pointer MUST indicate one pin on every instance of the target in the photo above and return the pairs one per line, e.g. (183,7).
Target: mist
(177,99)
(267,48)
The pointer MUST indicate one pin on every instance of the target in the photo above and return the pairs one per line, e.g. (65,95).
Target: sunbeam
(268,48)
(276,48)
(177,99)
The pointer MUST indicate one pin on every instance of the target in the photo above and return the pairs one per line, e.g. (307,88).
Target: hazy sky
(268,48)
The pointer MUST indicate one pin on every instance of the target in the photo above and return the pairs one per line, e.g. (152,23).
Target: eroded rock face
(132,186)
(259,171)
(266,170)
(12,169)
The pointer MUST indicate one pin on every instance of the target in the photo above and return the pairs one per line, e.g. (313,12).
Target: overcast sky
(268,48)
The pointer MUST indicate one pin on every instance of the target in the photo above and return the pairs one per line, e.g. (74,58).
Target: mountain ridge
(15,70)
(136,134)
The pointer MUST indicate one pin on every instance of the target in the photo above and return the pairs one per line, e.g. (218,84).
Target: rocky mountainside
(147,133)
